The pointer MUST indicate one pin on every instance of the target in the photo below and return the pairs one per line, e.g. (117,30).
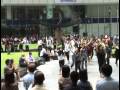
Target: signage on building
(65,1)
(49,11)
(68,0)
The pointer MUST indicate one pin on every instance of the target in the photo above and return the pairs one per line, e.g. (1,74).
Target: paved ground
(51,71)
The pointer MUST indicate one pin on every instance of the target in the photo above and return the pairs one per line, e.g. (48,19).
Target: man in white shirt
(26,43)
(107,83)
(67,49)
(40,42)
(43,51)
(43,54)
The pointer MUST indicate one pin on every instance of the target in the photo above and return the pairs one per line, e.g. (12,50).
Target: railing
(99,20)
(64,22)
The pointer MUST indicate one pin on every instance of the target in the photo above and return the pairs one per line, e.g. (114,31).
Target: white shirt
(49,43)
(67,47)
(72,43)
(25,41)
(61,57)
(30,58)
(40,42)
(52,53)
(43,51)
(107,84)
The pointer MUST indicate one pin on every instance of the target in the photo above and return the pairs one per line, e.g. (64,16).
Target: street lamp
(98,20)
(109,12)
(104,19)
(117,19)
(86,24)
(89,21)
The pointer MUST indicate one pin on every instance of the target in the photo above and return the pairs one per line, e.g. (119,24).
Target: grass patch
(15,56)
(31,46)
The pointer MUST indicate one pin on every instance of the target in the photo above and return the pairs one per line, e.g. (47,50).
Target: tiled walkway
(51,71)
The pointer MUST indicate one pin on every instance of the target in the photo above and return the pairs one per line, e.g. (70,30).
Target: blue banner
(68,0)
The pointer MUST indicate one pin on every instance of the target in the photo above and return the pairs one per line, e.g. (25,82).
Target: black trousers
(100,63)
(39,50)
(21,47)
(117,58)
(67,55)
(77,66)
(61,64)
(108,60)
(84,63)
(23,65)
(1,49)
(27,47)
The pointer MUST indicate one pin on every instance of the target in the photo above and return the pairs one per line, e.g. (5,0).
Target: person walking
(108,54)
(76,59)
(84,58)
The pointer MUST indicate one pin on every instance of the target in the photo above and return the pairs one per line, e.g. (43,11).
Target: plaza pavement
(51,71)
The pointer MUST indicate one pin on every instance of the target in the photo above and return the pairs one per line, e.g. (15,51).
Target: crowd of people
(80,48)
(12,43)
(68,81)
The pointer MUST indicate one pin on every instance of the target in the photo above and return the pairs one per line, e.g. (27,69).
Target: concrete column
(9,13)
(26,12)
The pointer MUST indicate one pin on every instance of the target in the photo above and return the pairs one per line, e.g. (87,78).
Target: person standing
(84,57)
(8,46)
(84,84)
(117,54)
(61,58)
(21,45)
(100,55)
(22,61)
(108,54)
(30,58)
(65,81)
(29,77)
(44,55)
(39,79)
(26,42)
(9,82)
(107,83)
(40,42)
(67,49)
(74,78)
(10,67)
